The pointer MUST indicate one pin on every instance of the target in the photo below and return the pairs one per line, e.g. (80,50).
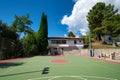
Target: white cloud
(77,21)
(65,35)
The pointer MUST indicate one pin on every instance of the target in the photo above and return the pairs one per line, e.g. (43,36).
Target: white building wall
(70,47)
(78,43)
(68,43)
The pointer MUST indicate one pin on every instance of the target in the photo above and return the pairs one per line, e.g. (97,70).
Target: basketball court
(59,68)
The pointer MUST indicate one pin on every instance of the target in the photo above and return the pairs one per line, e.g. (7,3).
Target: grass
(77,68)
(98,45)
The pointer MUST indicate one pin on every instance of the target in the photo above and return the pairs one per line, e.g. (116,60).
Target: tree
(8,40)
(97,15)
(43,35)
(21,24)
(71,34)
(30,44)
(6,32)
(113,27)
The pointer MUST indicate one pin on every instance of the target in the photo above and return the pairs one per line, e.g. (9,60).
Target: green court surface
(74,68)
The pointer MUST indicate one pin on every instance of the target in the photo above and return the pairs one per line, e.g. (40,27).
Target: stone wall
(72,51)
(113,54)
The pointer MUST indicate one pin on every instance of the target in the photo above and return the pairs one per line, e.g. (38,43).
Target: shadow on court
(6,65)
(45,70)
(21,73)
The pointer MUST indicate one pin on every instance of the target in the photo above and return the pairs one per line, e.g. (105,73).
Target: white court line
(66,77)
(83,77)
(39,78)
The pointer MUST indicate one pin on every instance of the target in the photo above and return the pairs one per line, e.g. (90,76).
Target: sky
(63,15)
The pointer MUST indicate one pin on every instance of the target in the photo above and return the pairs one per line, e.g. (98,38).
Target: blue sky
(63,15)
(55,10)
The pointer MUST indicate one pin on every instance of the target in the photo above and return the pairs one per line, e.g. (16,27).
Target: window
(75,42)
(79,40)
(58,41)
(53,41)
(63,41)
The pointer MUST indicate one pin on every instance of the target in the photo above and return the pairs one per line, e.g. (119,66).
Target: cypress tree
(43,35)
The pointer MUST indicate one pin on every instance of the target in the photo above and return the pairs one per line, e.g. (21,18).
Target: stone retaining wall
(113,54)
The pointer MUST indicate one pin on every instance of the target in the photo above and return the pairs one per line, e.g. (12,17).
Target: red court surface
(9,60)
(59,61)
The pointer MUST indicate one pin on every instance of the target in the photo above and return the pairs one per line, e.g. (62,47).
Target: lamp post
(90,46)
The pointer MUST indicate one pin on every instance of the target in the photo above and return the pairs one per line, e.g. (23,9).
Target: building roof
(65,38)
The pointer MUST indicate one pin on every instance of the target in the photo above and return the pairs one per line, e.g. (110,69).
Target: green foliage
(100,19)
(71,34)
(21,24)
(42,36)
(33,43)
(8,41)
(113,26)
(86,41)
(30,45)
(6,32)
(95,17)
(89,37)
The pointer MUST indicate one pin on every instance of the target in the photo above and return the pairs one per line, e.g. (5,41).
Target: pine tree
(97,18)
(71,34)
